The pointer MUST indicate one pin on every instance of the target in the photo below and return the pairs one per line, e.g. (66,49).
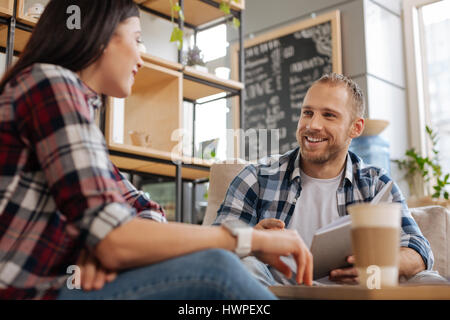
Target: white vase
(201,68)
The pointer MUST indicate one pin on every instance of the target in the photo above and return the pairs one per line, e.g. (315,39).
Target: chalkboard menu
(280,68)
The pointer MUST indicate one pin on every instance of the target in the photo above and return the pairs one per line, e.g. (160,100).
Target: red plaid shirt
(59,191)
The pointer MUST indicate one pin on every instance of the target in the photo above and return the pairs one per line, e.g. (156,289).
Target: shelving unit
(156,103)
(14,34)
(6,8)
(22,17)
(198,84)
(196,12)
(199,16)
(21,38)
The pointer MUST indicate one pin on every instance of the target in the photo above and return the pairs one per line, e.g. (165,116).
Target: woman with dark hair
(64,205)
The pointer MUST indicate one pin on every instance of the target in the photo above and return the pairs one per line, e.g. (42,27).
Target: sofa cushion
(220,177)
(434,222)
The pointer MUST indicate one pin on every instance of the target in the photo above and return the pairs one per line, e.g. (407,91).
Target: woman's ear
(357,128)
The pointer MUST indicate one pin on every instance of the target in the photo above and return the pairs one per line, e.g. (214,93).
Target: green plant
(177,33)
(428,168)
(225,8)
(194,57)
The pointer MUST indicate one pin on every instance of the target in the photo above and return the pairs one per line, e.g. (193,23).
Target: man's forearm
(410,263)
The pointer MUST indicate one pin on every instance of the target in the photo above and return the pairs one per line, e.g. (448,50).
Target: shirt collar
(296,172)
(348,175)
(348,169)
(94,99)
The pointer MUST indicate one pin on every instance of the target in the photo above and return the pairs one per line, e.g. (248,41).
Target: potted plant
(175,8)
(426,170)
(194,58)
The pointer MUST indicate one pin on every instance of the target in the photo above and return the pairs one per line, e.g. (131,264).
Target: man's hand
(270,245)
(270,223)
(93,275)
(345,275)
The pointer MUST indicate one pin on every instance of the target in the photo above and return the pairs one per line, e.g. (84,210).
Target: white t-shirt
(315,208)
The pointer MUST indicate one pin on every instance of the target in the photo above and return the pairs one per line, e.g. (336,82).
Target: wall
(156,35)
(372,54)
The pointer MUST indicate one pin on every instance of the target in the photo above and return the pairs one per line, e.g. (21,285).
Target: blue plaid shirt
(271,190)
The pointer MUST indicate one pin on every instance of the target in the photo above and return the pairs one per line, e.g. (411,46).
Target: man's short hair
(357,95)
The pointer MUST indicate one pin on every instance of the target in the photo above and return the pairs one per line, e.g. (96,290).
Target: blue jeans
(265,275)
(211,274)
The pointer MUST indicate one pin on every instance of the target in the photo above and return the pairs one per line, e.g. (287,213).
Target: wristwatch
(243,234)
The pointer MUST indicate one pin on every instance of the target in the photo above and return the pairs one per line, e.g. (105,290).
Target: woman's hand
(93,275)
(269,245)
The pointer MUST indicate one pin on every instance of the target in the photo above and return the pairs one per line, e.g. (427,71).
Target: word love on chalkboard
(279,69)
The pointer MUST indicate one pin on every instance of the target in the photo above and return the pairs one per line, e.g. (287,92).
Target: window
(212,114)
(213,42)
(436,51)
(427,29)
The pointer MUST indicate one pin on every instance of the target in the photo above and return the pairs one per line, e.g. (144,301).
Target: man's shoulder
(362,170)
(273,164)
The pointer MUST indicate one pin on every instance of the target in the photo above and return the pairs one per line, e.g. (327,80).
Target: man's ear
(357,128)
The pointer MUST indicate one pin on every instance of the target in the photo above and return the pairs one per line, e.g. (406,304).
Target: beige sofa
(434,221)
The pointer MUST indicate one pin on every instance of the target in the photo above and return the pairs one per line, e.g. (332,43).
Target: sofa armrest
(434,222)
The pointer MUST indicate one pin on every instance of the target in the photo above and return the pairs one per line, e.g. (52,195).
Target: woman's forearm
(142,242)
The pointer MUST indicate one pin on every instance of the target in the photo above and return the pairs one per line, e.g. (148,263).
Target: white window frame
(416,76)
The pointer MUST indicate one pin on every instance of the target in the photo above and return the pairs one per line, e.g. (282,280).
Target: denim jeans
(266,275)
(211,274)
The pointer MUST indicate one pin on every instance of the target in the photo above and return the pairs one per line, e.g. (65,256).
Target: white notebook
(332,244)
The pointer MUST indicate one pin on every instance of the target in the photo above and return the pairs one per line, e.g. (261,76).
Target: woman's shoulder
(42,81)
(38,72)
(39,76)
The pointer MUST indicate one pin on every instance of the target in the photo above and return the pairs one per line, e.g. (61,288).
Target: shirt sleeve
(411,236)
(145,207)
(241,198)
(56,124)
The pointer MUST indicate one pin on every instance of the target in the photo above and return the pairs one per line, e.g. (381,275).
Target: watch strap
(244,242)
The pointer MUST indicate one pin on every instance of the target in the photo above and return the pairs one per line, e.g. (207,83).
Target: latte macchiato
(376,243)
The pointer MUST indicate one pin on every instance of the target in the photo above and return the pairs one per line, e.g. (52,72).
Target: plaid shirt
(271,189)
(59,191)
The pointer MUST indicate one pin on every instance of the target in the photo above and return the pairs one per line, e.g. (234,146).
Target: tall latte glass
(376,243)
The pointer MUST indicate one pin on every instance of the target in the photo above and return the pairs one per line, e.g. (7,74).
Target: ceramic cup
(35,10)
(140,138)
(376,243)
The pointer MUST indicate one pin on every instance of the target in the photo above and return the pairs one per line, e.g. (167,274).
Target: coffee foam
(385,215)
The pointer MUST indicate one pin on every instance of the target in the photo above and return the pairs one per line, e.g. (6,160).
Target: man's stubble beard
(329,154)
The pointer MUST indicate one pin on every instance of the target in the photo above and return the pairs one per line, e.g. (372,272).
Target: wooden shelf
(6,8)
(194,90)
(154,107)
(162,62)
(195,12)
(22,17)
(20,40)
(162,163)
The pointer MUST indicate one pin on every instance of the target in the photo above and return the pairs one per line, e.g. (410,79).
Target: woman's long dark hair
(52,41)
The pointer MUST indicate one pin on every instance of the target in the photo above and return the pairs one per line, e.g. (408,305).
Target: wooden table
(348,292)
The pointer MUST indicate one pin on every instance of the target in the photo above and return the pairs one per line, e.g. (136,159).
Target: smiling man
(311,186)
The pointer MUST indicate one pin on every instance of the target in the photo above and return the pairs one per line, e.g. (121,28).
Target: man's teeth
(314,139)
